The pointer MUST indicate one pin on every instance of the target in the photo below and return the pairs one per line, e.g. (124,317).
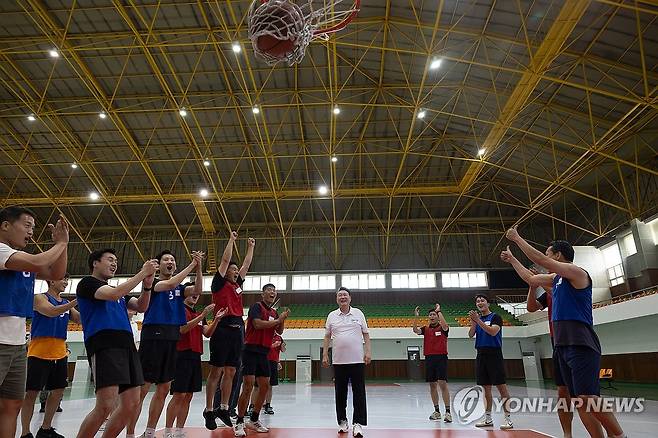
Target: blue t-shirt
(17,293)
(484,339)
(166,307)
(50,326)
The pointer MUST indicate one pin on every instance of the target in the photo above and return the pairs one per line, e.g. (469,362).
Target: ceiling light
(334,159)
(336,110)
(236,47)
(436,63)
(31,118)
(53,53)
(102,114)
(203,193)
(323,190)
(206,163)
(94,196)
(481,151)
(255,110)
(74,165)
(182,112)
(421,114)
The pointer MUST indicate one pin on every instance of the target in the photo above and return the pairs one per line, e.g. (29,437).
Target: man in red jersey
(263,321)
(226,343)
(435,348)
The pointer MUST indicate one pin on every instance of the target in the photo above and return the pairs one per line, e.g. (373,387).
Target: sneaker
(223,415)
(268,410)
(484,423)
(180,434)
(48,433)
(238,430)
(343,427)
(43,408)
(232,413)
(169,434)
(59,409)
(209,416)
(436,416)
(357,430)
(28,435)
(507,424)
(257,426)
(448,417)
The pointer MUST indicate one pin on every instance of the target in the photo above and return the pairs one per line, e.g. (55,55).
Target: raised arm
(197,288)
(442,321)
(415,326)
(169,284)
(208,330)
(472,315)
(46,308)
(248,257)
(569,271)
(533,279)
(228,253)
(110,293)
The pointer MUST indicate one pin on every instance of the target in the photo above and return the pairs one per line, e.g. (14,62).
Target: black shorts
(46,374)
(490,367)
(255,364)
(274,373)
(188,372)
(226,347)
(579,367)
(557,374)
(158,360)
(436,367)
(117,367)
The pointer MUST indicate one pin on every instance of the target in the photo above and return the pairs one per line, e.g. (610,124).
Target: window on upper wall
(464,279)
(254,283)
(413,280)
(629,244)
(612,263)
(363,281)
(314,282)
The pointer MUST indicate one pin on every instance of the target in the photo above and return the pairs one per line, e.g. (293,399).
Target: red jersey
(260,340)
(273,355)
(192,340)
(435,340)
(227,294)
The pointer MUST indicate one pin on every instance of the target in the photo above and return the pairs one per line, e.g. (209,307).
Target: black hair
(164,253)
(564,248)
(97,255)
(486,298)
(269,285)
(345,289)
(14,213)
(66,275)
(433,309)
(233,262)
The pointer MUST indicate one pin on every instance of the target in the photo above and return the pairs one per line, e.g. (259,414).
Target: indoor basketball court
(383,218)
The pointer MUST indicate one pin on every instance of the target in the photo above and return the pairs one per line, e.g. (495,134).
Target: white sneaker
(169,434)
(257,426)
(180,434)
(238,430)
(447,418)
(343,427)
(507,424)
(357,430)
(484,423)
(436,416)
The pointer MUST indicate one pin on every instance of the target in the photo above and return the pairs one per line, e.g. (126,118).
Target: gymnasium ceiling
(560,98)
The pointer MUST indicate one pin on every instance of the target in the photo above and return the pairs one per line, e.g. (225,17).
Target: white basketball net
(285,20)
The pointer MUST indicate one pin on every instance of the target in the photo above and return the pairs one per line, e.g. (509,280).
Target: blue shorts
(557,375)
(579,368)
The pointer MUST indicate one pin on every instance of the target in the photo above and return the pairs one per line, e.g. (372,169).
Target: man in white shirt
(348,330)
(17,274)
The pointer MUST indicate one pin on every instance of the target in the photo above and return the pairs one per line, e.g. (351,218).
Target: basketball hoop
(281,30)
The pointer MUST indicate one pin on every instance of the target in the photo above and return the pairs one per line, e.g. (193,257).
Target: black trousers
(343,374)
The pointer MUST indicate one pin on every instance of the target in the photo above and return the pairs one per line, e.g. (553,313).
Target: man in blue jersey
(161,331)
(487,327)
(47,358)
(17,274)
(109,341)
(577,348)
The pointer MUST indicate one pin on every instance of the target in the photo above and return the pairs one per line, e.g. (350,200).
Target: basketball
(274,46)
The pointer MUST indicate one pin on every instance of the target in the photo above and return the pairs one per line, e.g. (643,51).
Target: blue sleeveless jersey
(50,327)
(17,293)
(166,307)
(97,315)
(484,339)
(571,304)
